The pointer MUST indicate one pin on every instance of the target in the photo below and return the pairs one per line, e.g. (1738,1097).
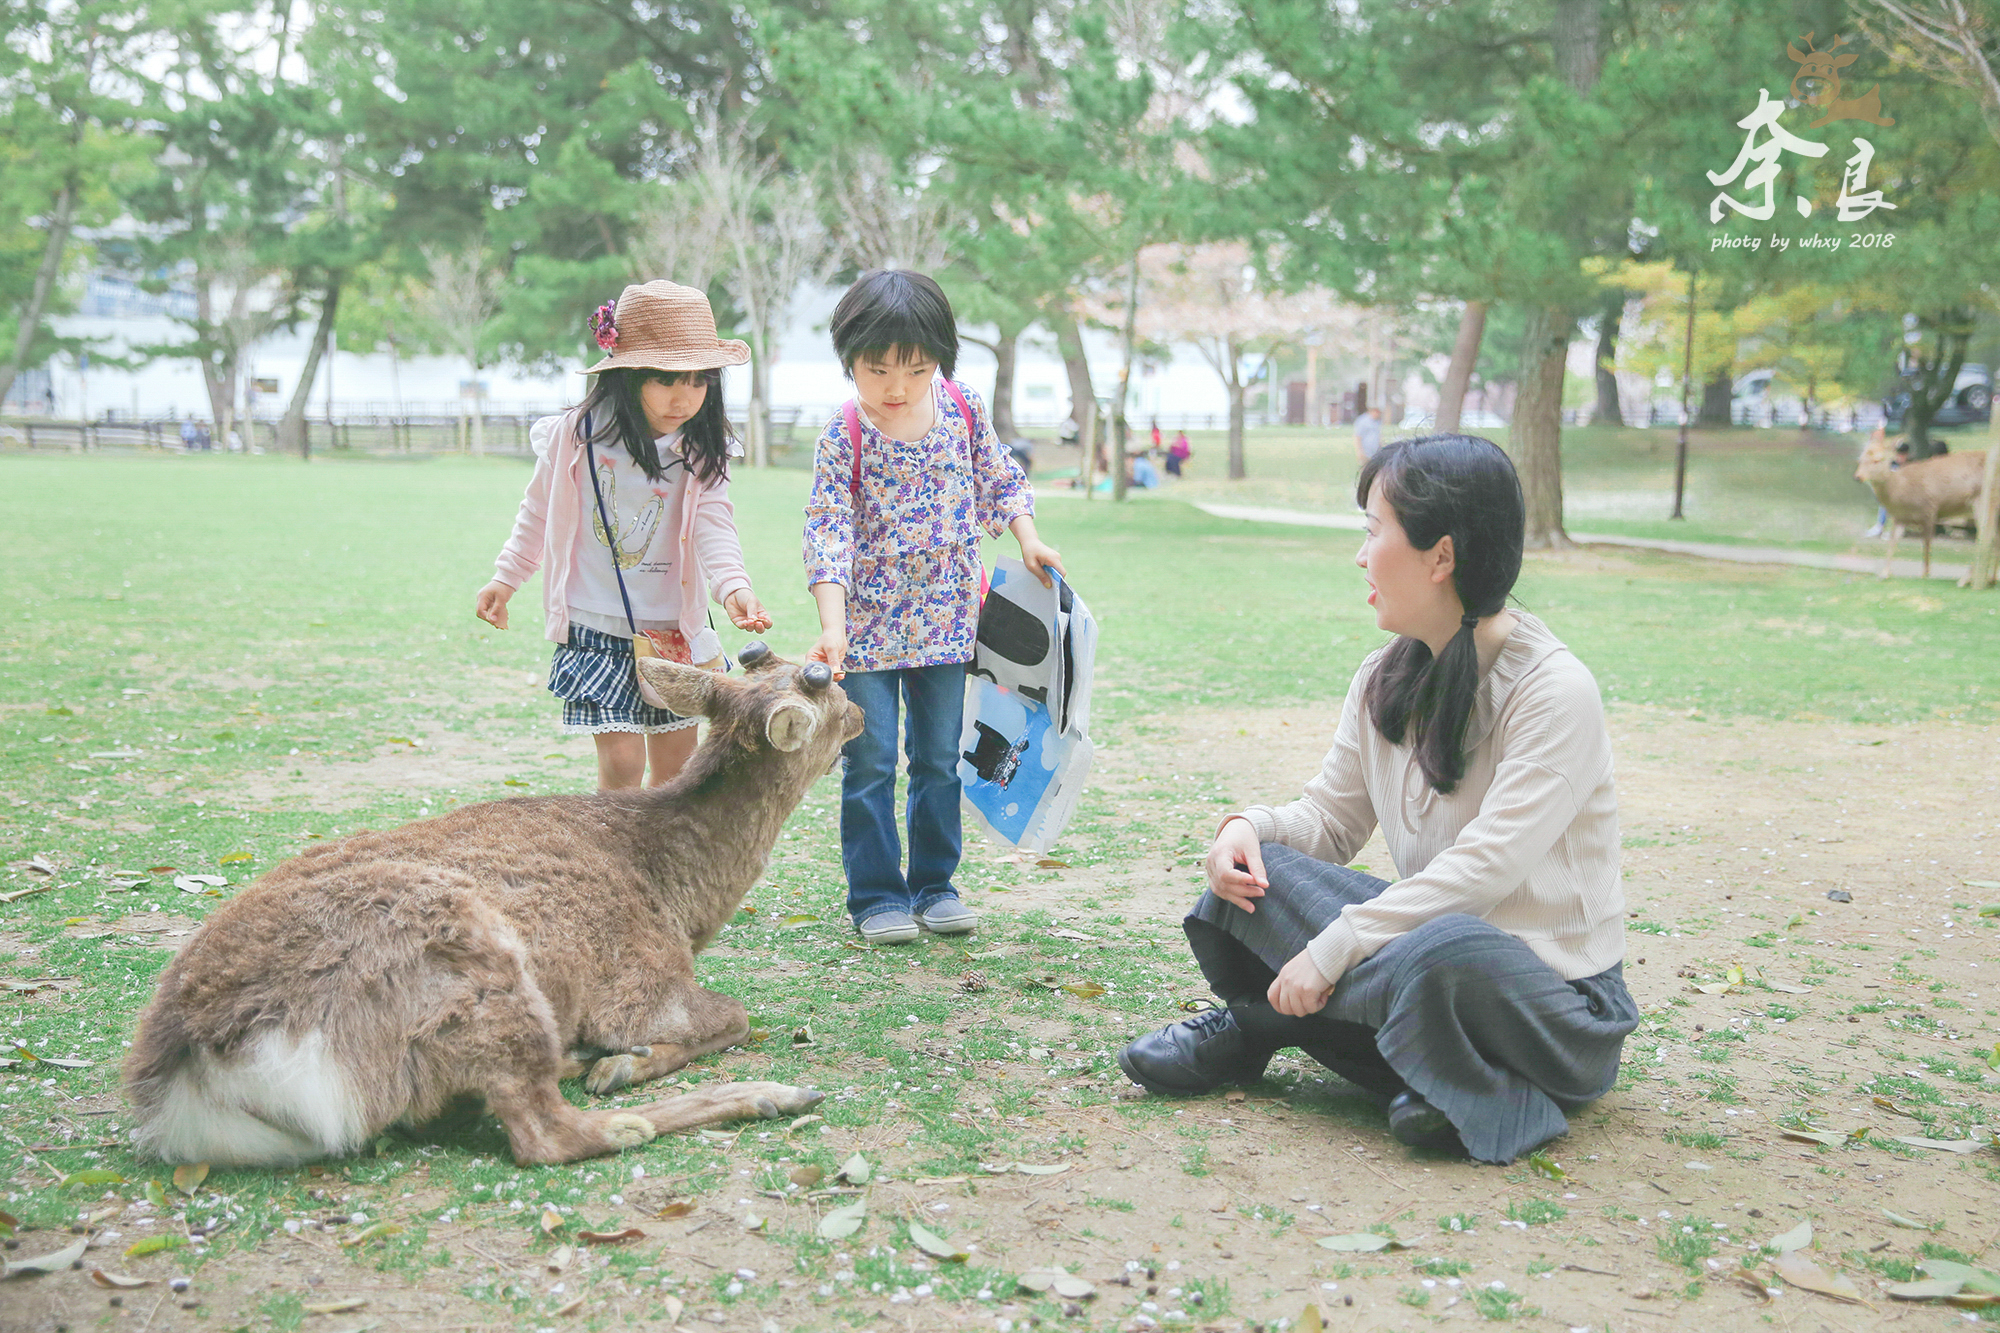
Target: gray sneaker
(891,927)
(948,916)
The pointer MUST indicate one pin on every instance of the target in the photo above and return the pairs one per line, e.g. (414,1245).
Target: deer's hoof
(610,1074)
(627,1131)
(784,1099)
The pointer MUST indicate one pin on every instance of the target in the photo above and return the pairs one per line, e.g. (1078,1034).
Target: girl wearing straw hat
(628,517)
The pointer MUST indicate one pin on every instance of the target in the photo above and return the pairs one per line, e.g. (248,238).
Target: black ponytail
(1462,487)
(619,414)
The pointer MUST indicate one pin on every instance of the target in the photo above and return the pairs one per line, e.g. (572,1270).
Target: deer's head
(1876,457)
(1818,81)
(775,705)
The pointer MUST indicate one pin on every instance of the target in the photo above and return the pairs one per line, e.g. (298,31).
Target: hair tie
(1469,621)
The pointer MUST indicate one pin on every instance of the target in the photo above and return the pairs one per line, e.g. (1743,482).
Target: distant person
(1156,435)
(628,518)
(1139,471)
(1177,453)
(1368,434)
(190,435)
(1023,450)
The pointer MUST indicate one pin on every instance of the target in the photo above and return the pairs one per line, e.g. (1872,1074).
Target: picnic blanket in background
(1025,752)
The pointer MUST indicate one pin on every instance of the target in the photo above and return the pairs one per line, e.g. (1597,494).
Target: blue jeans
(869,849)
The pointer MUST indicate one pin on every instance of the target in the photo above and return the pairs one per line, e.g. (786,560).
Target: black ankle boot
(1415,1122)
(1199,1055)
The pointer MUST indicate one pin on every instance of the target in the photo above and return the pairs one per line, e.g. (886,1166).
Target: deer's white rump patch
(278,1102)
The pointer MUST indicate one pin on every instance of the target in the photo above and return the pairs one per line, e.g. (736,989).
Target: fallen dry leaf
(53,1262)
(1360,1242)
(805,1177)
(552,1221)
(610,1237)
(117,1280)
(188,1178)
(935,1245)
(1803,1273)
(843,1221)
(559,1258)
(677,1208)
(338,1307)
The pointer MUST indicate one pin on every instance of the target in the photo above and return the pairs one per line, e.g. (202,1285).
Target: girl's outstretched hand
(1301,988)
(746,612)
(491,604)
(832,650)
(1236,865)
(1040,557)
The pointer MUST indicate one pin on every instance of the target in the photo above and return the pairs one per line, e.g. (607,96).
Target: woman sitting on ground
(1481,995)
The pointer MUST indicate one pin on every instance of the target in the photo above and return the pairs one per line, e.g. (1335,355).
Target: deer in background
(1822,69)
(1919,494)
(484,954)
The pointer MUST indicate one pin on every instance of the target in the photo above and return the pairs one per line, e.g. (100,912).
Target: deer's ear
(1795,54)
(1842,62)
(790,725)
(687,690)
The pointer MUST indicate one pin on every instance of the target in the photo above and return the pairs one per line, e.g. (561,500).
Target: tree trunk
(1082,395)
(1464,359)
(1002,405)
(1610,412)
(292,433)
(478,415)
(1237,392)
(1121,428)
(760,408)
(1986,555)
(1716,401)
(1536,431)
(45,282)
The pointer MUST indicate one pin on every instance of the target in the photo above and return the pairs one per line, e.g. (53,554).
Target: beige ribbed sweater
(1528,841)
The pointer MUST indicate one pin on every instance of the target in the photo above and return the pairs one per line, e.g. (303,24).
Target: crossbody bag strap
(971,424)
(610,533)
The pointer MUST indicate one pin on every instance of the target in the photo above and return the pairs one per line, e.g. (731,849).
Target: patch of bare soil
(1849,1014)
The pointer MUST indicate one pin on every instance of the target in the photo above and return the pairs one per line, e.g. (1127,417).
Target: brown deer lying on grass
(1919,494)
(489,952)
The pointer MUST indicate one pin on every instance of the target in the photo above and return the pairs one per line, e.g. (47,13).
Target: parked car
(1971,400)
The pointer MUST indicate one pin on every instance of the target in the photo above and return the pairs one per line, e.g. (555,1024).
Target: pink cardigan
(550,523)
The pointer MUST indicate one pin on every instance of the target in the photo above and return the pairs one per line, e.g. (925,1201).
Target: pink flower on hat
(602,324)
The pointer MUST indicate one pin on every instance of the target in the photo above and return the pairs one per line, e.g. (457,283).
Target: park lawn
(195,651)
(1744,486)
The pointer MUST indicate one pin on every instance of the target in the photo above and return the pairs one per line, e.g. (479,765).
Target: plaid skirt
(593,674)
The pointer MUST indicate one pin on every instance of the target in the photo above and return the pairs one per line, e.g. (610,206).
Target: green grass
(1744,487)
(177,632)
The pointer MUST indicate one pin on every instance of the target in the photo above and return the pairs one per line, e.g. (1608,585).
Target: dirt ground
(1733,829)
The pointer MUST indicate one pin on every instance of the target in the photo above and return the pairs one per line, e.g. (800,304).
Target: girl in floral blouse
(904,478)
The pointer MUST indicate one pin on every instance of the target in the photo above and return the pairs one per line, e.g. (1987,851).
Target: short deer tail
(268,1101)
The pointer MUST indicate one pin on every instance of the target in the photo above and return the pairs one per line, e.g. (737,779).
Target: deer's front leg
(702,1021)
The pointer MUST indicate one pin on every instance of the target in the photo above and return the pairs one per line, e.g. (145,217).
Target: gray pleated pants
(1457,1010)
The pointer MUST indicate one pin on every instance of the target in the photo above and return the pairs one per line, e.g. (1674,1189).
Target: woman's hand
(1301,988)
(832,650)
(746,612)
(1236,865)
(491,604)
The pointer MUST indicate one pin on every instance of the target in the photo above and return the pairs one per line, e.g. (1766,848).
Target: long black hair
(618,414)
(1462,487)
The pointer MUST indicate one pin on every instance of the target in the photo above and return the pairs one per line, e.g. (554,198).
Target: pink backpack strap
(971,422)
(853,419)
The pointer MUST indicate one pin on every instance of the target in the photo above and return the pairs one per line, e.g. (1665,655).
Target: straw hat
(662,326)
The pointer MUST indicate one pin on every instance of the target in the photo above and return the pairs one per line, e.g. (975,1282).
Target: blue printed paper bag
(1025,752)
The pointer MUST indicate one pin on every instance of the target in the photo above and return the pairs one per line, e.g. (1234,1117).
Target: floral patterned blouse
(909,558)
